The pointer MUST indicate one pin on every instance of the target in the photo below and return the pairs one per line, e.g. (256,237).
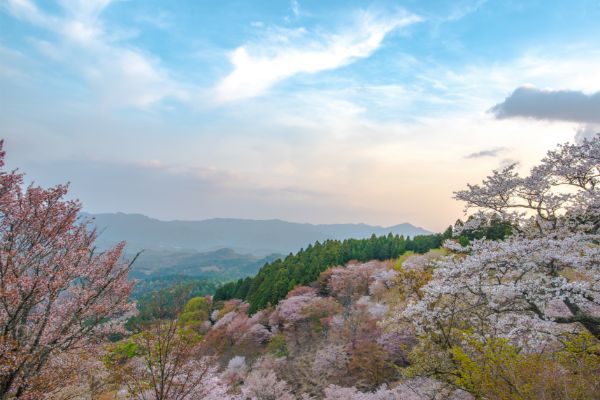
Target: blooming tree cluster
(496,314)
(312,338)
(56,292)
(315,344)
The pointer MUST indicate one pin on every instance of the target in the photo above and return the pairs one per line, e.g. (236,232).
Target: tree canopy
(276,279)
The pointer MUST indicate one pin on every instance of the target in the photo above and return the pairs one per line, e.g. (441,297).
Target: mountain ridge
(255,236)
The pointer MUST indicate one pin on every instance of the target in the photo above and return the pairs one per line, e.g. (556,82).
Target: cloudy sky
(310,111)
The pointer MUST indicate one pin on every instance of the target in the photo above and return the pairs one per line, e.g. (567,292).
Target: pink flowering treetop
(56,293)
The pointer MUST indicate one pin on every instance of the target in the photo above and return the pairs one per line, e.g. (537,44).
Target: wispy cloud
(495,152)
(157,19)
(286,53)
(121,74)
(463,9)
(295,6)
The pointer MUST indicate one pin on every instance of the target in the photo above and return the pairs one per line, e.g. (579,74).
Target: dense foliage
(144,288)
(165,295)
(276,279)
(328,342)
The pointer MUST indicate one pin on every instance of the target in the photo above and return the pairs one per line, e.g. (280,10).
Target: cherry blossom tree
(236,371)
(351,282)
(331,362)
(264,385)
(289,311)
(542,280)
(167,364)
(56,291)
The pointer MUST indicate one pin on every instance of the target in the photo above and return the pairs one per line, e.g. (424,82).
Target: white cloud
(28,11)
(121,74)
(295,7)
(285,53)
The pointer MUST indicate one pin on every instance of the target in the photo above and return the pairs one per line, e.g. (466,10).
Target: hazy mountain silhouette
(258,237)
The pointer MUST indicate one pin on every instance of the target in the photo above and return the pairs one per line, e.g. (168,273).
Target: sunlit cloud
(285,53)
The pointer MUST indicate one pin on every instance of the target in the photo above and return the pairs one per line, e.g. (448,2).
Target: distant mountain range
(257,237)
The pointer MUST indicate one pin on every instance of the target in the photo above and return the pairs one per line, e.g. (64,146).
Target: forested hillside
(164,275)
(508,306)
(217,266)
(277,278)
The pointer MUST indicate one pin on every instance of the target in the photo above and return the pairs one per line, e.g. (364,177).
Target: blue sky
(311,111)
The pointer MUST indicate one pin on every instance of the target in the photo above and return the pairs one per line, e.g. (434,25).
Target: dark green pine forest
(277,278)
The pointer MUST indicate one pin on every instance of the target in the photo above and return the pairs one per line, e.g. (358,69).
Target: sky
(307,111)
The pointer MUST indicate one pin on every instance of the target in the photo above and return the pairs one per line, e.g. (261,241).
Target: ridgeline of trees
(276,279)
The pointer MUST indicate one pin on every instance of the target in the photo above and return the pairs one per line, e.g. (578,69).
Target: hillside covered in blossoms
(503,305)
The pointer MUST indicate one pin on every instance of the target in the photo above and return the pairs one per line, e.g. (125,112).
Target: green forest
(276,279)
